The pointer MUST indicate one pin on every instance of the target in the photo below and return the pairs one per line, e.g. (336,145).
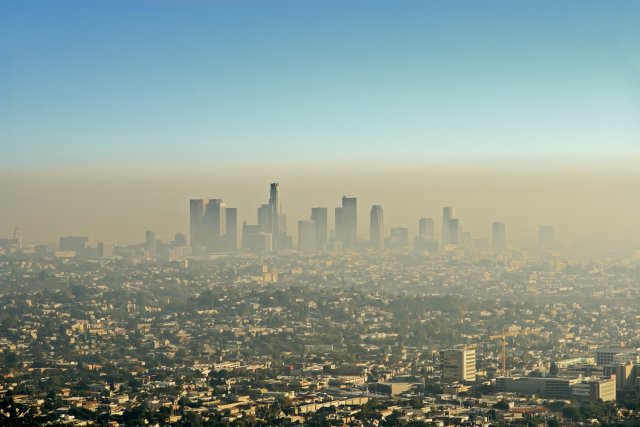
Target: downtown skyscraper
(426,228)
(376,224)
(450,226)
(426,238)
(213,226)
(276,220)
(270,233)
(319,217)
(347,223)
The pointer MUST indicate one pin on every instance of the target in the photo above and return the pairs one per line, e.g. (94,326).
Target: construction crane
(512,332)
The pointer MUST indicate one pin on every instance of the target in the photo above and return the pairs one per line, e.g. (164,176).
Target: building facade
(458,364)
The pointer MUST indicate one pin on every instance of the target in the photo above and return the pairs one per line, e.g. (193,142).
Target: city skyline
(401,209)
(213,228)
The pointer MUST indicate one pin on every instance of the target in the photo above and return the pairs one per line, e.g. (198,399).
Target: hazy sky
(545,94)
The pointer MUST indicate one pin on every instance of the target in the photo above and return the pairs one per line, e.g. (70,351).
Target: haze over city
(255,213)
(120,205)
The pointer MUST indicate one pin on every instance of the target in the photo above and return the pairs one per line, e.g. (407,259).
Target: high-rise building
(426,240)
(458,364)
(150,245)
(274,208)
(339,231)
(277,221)
(450,226)
(197,208)
(306,235)
(347,230)
(271,221)
(546,237)
(263,218)
(426,228)
(498,237)
(319,216)
(231,229)
(454,231)
(376,228)
(215,225)
(209,228)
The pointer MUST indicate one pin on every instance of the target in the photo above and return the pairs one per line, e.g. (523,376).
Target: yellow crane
(503,338)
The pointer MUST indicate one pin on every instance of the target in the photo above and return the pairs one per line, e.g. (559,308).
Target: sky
(211,90)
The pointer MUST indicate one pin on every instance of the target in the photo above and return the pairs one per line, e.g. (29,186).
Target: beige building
(458,364)
(552,387)
(596,389)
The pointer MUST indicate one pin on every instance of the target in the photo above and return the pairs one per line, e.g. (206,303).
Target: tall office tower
(274,208)
(546,237)
(263,218)
(426,228)
(349,222)
(426,240)
(458,364)
(498,237)
(376,228)
(197,209)
(319,216)
(276,220)
(271,228)
(339,231)
(215,225)
(454,231)
(449,226)
(150,244)
(306,235)
(231,229)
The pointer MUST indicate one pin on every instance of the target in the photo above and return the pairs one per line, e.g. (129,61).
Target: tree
(556,406)
(503,405)
(554,370)
(571,413)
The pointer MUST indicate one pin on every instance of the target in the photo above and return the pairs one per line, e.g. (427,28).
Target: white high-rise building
(450,226)
(458,364)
